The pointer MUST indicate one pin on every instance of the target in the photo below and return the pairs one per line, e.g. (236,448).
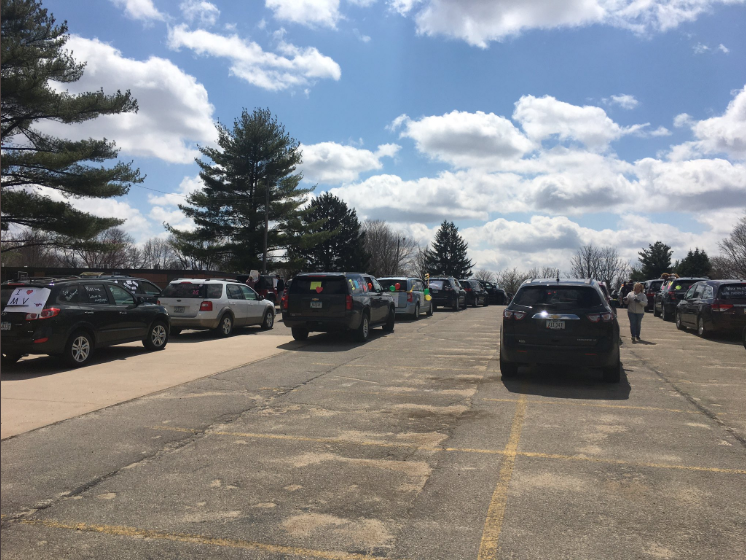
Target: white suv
(221,305)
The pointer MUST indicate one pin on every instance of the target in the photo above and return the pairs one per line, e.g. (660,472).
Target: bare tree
(511,279)
(158,253)
(113,248)
(484,275)
(599,263)
(734,250)
(29,247)
(391,252)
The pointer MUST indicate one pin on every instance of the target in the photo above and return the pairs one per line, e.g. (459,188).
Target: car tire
(701,330)
(79,349)
(486,302)
(388,326)
(744,337)
(508,369)
(679,324)
(665,316)
(10,359)
(430,310)
(225,326)
(269,321)
(299,334)
(656,313)
(363,331)
(456,305)
(416,312)
(613,374)
(475,302)
(157,336)
(175,331)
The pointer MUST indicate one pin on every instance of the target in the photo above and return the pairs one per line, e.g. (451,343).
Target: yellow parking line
(496,511)
(505,451)
(594,405)
(123,531)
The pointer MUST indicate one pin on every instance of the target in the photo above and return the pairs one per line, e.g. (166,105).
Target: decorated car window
(96,294)
(69,294)
(733,291)
(709,293)
(131,285)
(436,284)
(183,290)
(327,285)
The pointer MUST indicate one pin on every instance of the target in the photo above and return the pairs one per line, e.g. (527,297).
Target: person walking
(636,303)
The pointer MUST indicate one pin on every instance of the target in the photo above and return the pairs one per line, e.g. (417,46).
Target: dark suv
(71,317)
(148,291)
(337,301)
(567,322)
(447,292)
(475,293)
(713,306)
(672,291)
(652,287)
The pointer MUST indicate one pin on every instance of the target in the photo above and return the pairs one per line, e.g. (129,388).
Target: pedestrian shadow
(567,382)
(645,343)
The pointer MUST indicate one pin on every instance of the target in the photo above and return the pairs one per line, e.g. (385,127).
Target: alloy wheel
(81,349)
(158,336)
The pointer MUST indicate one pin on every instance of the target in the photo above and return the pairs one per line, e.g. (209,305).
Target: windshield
(557,296)
(320,285)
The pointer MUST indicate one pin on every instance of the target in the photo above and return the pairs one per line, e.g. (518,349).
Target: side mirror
(140,300)
(261,297)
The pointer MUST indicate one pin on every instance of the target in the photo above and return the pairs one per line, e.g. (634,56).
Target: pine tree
(255,161)
(448,254)
(695,264)
(655,260)
(33,55)
(339,243)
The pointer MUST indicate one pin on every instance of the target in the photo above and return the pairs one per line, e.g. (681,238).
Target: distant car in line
(72,317)
(652,287)
(668,297)
(475,294)
(409,296)
(713,306)
(447,292)
(495,295)
(216,304)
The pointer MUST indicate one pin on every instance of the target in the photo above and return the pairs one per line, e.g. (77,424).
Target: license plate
(179,309)
(434,291)
(555,324)
(5,326)
(315,305)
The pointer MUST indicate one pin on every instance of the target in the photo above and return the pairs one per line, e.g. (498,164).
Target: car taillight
(348,303)
(158,302)
(597,317)
(49,313)
(717,306)
(518,315)
(410,297)
(32,316)
(467,289)
(205,306)
(284,302)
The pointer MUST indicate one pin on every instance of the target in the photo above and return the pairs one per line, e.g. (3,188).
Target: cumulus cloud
(174,113)
(165,206)
(292,67)
(623,100)
(544,117)
(479,22)
(722,48)
(726,133)
(200,11)
(332,163)
(324,13)
(682,120)
(660,131)
(140,9)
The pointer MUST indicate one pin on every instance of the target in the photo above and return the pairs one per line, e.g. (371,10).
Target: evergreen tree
(655,260)
(33,55)
(255,162)
(696,263)
(448,254)
(339,243)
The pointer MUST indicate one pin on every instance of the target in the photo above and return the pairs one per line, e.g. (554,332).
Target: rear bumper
(55,345)
(604,354)
(726,323)
(407,309)
(195,322)
(440,299)
(322,324)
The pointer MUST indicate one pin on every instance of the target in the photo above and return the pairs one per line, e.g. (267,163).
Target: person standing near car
(636,302)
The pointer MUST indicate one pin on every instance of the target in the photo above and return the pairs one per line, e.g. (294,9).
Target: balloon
(427,292)
(428,297)
(398,286)
(392,289)
(319,290)
(370,285)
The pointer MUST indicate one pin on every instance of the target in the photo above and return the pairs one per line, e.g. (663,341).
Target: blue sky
(535,125)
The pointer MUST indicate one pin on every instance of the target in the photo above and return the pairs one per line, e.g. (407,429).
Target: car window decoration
(27,299)
(131,285)
(316,286)
(69,294)
(96,294)
(733,291)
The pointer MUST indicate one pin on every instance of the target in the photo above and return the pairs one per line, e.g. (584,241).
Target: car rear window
(185,290)
(559,296)
(733,291)
(24,298)
(682,286)
(321,285)
(437,284)
(386,284)
(655,285)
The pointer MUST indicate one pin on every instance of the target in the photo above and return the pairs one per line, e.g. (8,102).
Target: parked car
(264,286)
(668,297)
(447,292)
(72,317)
(337,301)
(652,287)
(494,293)
(475,294)
(217,304)
(560,322)
(743,336)
(713,306)
(409,295)
(138,286)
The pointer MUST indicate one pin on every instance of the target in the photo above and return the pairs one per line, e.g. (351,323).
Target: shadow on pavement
(567,383)
(192,337)
(331,342)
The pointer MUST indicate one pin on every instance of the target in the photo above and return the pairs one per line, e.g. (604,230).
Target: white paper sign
(27,300)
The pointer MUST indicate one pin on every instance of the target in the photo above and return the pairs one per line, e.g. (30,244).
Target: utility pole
(398,239)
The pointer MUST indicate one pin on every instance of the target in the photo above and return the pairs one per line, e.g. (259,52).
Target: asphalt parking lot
(409,446)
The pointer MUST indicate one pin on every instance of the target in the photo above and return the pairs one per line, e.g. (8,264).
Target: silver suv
(221,305)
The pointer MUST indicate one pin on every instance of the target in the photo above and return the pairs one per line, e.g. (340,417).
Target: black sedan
(72,317)
(713,306)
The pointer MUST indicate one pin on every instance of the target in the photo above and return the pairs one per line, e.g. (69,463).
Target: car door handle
(123,313)
(89,312)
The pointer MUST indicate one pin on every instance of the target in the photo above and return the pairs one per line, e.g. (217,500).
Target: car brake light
(205,306)
(596,317)
(49,313)
(348,303)
(32,316)
(410,299)
(721,306)
(158,302)
(284,302)
(518,315)
(467,289)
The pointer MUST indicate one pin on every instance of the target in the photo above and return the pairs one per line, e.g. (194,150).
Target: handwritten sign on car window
(315,285)
(27,299)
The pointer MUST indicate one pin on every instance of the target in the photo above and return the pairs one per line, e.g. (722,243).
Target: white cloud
(332,163)
(660,131)
(140,9)
(465,139)
(204,12)
(360,36)
(165,207)
(479,22)
(544,117)
(293,67)
(723,48)
(624,100)
(324,13)
(683,120)
(726,133)
(700,48)
(174,110)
